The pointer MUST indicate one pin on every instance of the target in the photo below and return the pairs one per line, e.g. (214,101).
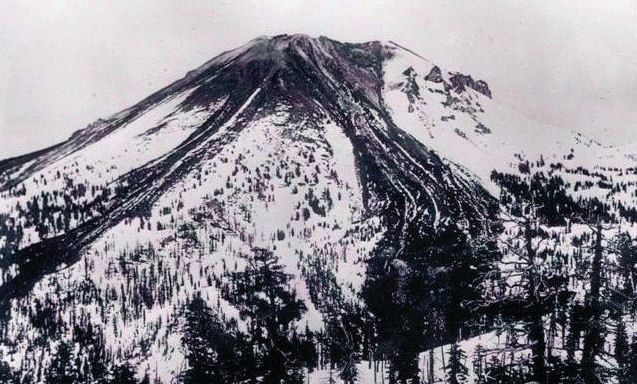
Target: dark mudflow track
(404,182)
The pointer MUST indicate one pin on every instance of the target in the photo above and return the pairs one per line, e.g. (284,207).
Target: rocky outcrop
(435,75)
(460,83)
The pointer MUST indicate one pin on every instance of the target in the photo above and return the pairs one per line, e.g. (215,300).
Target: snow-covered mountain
(329,155)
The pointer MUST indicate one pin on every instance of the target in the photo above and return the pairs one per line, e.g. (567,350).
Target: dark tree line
(427,297)
(544,282)
(272,351)
(445,286)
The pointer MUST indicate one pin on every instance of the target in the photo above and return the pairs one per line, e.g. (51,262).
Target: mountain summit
(326,164)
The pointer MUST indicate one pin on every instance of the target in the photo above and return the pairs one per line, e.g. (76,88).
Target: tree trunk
(442,355)
(431,366)
(593,331)
(536,323)
(538,345)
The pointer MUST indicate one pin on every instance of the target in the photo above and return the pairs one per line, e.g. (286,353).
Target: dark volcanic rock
(435,75)
(460,82)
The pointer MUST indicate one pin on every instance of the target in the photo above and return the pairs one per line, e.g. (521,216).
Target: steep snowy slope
(328,154)
(283,144)
(456,116)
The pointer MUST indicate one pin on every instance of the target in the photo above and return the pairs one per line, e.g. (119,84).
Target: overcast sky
(572,64)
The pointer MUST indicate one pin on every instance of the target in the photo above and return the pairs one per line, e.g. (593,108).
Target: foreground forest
(554,278)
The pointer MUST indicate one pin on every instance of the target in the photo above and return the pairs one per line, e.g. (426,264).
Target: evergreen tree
(398,302)
(6,374)
(216,352)
(342,345)
(627,251)
(632,361)
(262,294)
(536,323)
(123,374)
(622,353)
(498,373)
(571,367)
(478,364)
(63,369)
(456,370)
(593,335)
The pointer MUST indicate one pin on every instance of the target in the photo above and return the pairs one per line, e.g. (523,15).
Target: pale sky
(572,64)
